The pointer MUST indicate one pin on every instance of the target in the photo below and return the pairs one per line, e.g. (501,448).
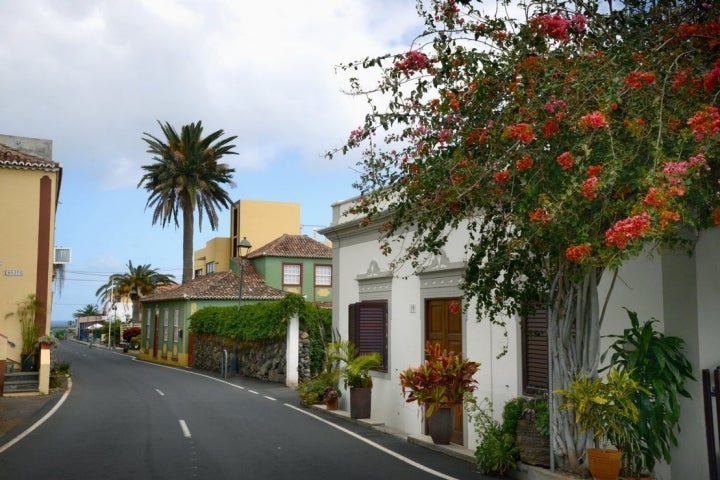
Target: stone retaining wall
(264,361)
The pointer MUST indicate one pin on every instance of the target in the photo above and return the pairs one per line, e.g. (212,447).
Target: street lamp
(243,245)
(114,309)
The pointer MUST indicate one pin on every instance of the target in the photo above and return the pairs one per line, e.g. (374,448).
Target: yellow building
(259,221)
(29,191)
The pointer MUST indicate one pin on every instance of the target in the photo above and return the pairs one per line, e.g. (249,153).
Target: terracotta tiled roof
(11,158)
(220,286)
(298,246)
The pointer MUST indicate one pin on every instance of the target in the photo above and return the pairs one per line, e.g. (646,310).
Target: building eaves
(11,158)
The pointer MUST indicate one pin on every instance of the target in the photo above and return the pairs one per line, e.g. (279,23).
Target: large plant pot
(360,402)
(440,425)
(28,362)
(604,463)
(534,448)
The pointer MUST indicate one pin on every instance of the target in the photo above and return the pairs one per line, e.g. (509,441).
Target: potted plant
(657,363)
(355,374)
(438,385)
(26,311)
(605,407)
(330,398)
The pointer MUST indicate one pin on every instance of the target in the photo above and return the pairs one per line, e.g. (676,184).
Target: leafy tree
(563,137)
(132,285)
(186,175)
(88,310)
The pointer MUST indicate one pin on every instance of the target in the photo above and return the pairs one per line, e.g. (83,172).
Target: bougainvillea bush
(564,137)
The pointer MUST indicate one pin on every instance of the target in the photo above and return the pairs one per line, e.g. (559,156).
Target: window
(291,274)
(368,328)
(535,352)
(147,323)
(323,275)
(198,273)
(210,267)
(165,324)
(176,324)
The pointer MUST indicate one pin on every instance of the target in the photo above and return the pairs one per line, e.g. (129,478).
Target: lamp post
(114,309)
(243,245)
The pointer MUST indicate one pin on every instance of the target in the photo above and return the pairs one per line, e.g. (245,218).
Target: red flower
(566,160)
(539,215)
(593,120)
(501,177)
(525,163)
(705,122)
(577,253)
(654,198)
(521,131)
(413,61)
(627,229)
(589,188)
(594,170)
(667,216)
(639,79)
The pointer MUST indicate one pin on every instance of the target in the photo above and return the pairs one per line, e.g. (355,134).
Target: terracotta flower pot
(604,463)
(332,404)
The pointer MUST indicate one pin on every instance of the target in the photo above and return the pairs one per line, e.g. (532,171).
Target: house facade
(259,221)
(296,264)
(166,313)
(29,191)
(396,312)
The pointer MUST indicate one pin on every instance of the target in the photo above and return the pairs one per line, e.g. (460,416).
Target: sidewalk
(18,412)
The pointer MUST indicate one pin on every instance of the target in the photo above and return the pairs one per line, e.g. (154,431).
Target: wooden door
(155,336)
(443,325)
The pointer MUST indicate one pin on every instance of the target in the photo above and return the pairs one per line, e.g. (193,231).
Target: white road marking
(253,391)
(185,429)
(269,398)
(39,422)
(374,445)
(160,392)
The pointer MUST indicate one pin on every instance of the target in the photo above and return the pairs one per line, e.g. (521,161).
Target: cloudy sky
(92,76)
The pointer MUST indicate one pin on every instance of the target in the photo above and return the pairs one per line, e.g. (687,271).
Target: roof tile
(220,286)
(298,246)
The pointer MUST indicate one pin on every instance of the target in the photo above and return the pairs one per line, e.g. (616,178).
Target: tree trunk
(574,343)
(188,225)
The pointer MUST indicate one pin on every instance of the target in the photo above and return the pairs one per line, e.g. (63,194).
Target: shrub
(496,453)
(130,333)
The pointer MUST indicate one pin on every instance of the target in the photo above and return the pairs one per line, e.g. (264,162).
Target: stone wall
(264,361)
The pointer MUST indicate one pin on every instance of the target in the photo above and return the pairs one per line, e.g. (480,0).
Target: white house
(680,291)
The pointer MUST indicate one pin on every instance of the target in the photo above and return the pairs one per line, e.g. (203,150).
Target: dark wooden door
(443,325)
(155,336)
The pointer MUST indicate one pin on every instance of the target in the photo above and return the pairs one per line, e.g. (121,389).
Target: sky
(94,76)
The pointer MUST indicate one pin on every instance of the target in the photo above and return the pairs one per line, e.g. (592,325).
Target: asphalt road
(126,419)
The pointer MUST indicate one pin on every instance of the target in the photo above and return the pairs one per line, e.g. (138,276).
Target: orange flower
(577,253)
(539,215)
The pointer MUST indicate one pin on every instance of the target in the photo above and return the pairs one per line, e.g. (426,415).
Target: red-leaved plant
(441,381)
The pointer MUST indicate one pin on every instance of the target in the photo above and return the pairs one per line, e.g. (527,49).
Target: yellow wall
(263,221)
(259,221)
(19,213)
(216,250)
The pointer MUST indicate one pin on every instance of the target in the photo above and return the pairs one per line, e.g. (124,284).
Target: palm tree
(132,285)
(186,175)
(88,310)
